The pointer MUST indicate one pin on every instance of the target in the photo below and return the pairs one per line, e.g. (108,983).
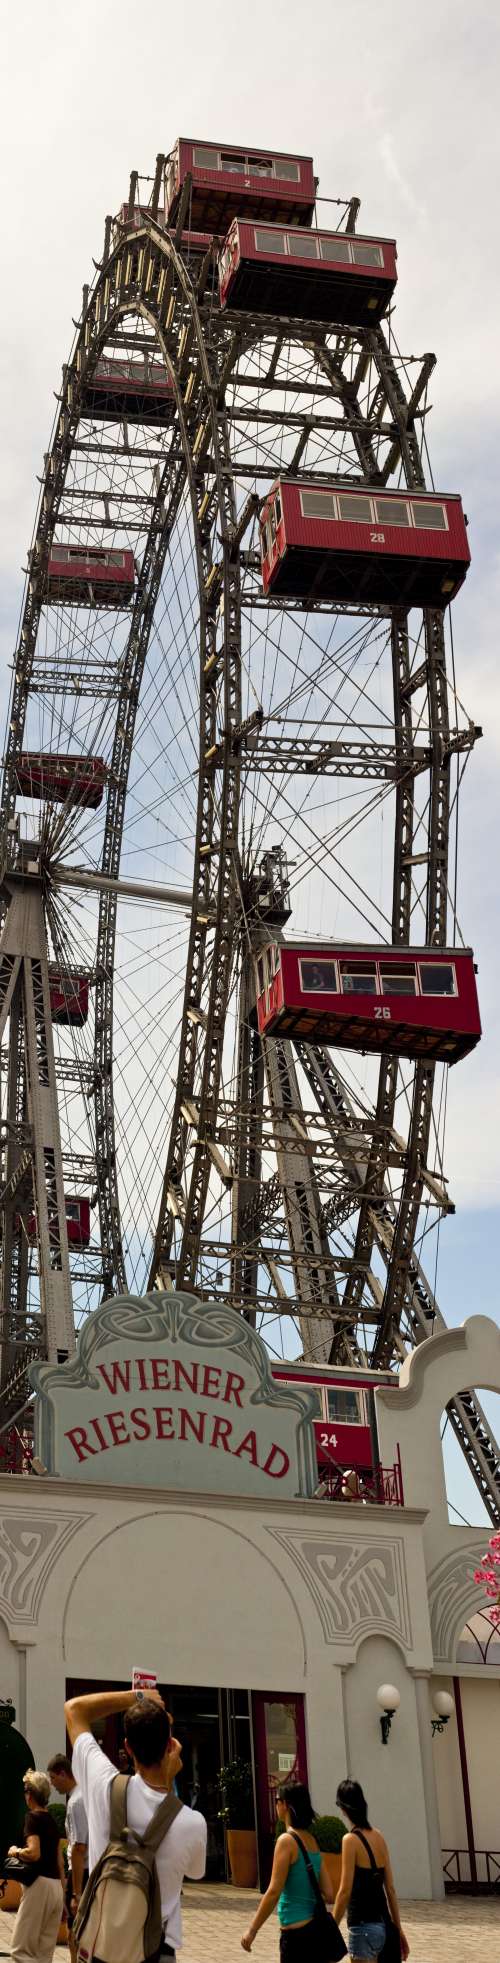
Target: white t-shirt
(76,1821)
(182,1852)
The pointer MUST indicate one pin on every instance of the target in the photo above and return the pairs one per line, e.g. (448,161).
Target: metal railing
(458,1875)
(382,1487)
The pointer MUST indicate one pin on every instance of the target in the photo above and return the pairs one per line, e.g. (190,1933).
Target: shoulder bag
(15,1869)
(329,1945)
(391,1952)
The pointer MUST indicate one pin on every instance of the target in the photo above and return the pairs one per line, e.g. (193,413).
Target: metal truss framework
(237,418)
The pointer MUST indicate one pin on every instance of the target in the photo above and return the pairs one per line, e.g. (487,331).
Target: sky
(398,106)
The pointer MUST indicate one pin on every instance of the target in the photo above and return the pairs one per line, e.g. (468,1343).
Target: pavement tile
(460,1930)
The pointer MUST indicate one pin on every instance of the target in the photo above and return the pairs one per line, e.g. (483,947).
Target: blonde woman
(38,1917)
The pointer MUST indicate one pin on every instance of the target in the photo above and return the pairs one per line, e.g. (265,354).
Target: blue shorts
(366,1938)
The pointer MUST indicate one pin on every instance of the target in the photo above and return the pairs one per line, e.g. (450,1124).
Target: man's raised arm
(81,1713)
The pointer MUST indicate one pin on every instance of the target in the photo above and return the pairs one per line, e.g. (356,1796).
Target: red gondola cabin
(227,180)
(307,274)
(130,391)
(345,1423)
(77,1222)
(396,548)
(69,997)
(57,778)
(415,1002)
(90,575)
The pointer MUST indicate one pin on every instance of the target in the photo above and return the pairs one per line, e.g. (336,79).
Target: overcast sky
(399,104)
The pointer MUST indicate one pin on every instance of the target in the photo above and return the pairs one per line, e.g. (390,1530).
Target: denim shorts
(366,1939)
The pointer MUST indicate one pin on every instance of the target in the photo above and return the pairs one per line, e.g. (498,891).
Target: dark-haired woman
(290,1889)
(367,1881)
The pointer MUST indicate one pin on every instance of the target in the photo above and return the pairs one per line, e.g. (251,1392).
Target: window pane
(281,1739)
(357,509)
(305,244)
(294,1384)
(270,241)
(285,168)
(260,167)
(260,977)
(206,159)
(317,975)
(233,163)
(429,517)
(398,981)
(358,981)
(337,249)
(437,980)
(317,504)
(393,511)
(366,255)
(343,1406)
(277,508)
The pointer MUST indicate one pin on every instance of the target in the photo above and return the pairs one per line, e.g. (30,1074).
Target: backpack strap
(158,1826)
(118,1807)
(161,1821)
(312,1877)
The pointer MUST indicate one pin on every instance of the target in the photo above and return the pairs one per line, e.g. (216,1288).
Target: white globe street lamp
(444,1706)
(389,1700)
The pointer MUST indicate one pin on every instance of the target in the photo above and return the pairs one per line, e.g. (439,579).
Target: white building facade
(268,1614)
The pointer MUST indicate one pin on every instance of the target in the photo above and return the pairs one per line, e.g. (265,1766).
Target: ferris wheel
(231,773)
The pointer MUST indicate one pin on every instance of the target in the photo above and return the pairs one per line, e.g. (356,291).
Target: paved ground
(457,1931)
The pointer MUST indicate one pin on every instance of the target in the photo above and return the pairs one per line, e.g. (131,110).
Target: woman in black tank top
(367,1889)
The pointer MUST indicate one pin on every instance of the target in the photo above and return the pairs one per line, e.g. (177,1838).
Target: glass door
(280,1754)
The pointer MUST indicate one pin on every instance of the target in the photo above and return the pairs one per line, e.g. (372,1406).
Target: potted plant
(235,1787)
(329,1832)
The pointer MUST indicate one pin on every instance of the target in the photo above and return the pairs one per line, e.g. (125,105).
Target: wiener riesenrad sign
(165,1391)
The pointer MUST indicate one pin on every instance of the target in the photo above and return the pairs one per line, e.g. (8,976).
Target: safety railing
(381,1487)
(471,1875)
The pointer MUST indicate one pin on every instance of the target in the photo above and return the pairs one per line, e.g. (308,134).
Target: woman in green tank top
(290,1889)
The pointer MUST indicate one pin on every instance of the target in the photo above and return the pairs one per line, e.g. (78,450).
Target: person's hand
(246,1941)
(74,1903)
(13,1850)
(405,1947)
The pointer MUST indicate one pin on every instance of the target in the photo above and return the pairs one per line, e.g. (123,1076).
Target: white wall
(481,1720)
(449,1778)
(481,1716)
(409,1416)
(391,1774)
(182,1595)
(208,1590)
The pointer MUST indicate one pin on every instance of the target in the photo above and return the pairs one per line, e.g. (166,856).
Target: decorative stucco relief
(453,1597)
(358,1587)
(30,1545)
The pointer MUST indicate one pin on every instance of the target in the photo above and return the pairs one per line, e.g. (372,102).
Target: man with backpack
(142,1841)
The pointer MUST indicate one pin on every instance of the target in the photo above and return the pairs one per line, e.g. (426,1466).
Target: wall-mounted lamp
(444,1706)
(389,1700)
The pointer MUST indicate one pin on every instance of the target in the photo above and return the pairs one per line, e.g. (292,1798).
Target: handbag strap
(312,1877)
(373,1863)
